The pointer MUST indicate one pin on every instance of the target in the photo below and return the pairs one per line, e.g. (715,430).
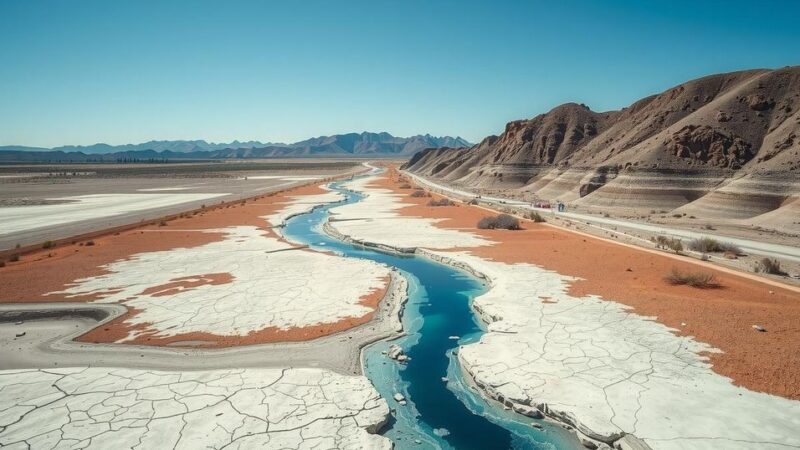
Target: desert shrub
(769,265)
(693,279)
(668,243)
(486,223)
(89,243)
(405,186)
(507,222)
(48,244)
(536,217)
(474,201)
(709,245)
(441,202)
(14,257)
(677,216)
(2,263)
(162,223)
(501,221)
(420,193)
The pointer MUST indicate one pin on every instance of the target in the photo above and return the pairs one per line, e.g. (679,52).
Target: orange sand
(119,329)
(44,271)
(767,362)
(181,284)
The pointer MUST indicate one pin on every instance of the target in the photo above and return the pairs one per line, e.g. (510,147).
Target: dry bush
(709,245)
(694,279)
(14,257)
(405,186)
(668,243)
(420,193)
(162,223)
(474,201)
(501,221)
(89,243)
(441,202)
(769,265)
(536,217)
(48,244)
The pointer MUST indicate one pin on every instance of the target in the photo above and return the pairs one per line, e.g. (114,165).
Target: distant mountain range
(342,145)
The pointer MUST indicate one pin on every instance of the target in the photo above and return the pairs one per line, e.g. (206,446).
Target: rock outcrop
(666,151)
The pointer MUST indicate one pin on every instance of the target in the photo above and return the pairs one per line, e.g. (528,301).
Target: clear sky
(81,72)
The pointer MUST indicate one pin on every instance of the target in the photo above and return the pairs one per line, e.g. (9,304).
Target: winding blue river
(440,413)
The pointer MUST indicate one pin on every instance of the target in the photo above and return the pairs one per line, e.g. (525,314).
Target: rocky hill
(725,146)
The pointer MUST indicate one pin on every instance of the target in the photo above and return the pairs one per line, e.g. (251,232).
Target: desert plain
(187,323)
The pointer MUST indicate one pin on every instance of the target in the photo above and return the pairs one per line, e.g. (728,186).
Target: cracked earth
(272,285)
(244,284)
(240,285)
(126,408)
(586,361)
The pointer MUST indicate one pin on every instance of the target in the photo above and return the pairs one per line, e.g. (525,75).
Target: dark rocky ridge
(736,134)
(342,145)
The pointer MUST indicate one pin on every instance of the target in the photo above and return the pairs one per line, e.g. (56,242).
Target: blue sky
(81,72)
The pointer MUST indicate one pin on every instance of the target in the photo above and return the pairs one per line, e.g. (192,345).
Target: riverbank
(526,362)
(203,258)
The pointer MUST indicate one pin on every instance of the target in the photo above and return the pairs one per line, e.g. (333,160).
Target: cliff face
(726,143)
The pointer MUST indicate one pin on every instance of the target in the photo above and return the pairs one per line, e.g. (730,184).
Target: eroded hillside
(725,146)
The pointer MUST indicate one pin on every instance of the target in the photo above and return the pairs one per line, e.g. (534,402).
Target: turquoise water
(439,414)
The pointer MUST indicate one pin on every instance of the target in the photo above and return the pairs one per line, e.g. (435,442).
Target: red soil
(41,272)
(767,362)
(120,328)
(181,284)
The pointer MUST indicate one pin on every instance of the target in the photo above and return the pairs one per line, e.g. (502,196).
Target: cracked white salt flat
(609,370)
(272,286)
(369,219)
(86,207)
(300,204)
(242,408)
(595,363)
